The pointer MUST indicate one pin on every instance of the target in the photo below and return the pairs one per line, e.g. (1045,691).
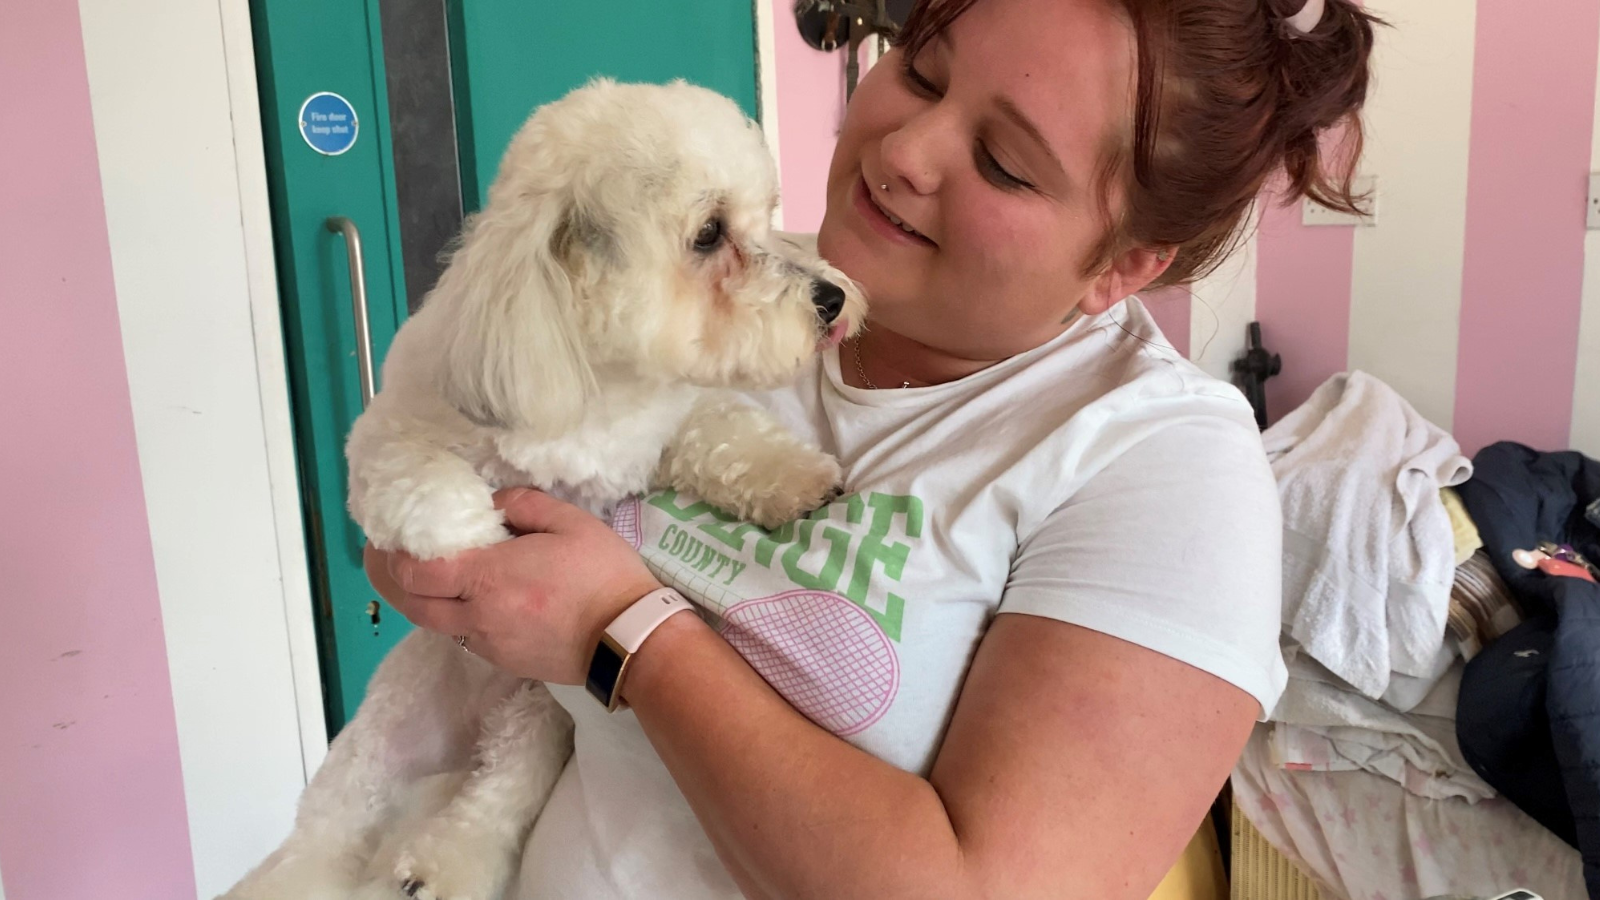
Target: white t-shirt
(1100,480)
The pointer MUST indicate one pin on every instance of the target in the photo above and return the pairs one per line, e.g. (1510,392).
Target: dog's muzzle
(828,298)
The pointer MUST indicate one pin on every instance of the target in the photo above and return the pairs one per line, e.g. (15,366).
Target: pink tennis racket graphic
(824,654)
(625,522)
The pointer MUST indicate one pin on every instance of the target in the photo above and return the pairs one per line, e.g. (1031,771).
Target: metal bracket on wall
(828,25)
(1252,369)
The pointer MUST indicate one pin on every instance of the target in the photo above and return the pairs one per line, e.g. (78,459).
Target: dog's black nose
(829,299)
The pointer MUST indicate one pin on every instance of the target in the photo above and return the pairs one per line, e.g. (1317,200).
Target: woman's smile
(885,223)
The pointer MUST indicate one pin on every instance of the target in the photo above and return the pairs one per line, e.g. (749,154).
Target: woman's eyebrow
(1020,119)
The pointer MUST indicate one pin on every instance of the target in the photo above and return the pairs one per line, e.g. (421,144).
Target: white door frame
(766,13)
(272,367)
(182,166)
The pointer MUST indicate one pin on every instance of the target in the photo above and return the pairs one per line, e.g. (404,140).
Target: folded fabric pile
(1323,726)
(1372,539)
(1441,618)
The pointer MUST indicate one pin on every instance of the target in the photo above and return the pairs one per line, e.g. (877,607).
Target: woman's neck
(878,357)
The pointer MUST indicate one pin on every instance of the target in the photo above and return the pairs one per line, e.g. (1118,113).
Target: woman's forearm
(793,810)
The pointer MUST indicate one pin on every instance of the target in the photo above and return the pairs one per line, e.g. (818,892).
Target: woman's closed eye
(989,167)
(918,82)
(994,172)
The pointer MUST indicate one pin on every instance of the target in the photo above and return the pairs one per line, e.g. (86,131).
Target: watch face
(604,669)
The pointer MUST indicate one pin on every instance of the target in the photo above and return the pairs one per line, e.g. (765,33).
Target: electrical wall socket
(1594,200)
(1315,214)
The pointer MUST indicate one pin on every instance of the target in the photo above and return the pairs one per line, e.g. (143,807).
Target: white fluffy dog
(621,276)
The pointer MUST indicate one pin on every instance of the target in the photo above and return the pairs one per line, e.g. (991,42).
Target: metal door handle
(358,302)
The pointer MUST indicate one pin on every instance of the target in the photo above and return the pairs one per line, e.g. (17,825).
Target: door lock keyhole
(373,614)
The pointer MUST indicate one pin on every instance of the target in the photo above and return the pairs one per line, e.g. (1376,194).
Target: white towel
(1321,725)
(1369,553)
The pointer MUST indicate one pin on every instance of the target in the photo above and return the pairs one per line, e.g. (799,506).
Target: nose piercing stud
(884,187)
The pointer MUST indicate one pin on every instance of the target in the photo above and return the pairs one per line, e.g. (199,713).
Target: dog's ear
(514,356)
(580,240)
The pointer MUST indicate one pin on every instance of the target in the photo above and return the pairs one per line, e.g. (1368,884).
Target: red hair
(1227,96)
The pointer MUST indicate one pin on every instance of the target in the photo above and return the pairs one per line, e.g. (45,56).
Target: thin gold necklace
(855,348)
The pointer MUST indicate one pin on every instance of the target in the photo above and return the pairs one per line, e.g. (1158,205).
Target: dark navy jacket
(1529,715)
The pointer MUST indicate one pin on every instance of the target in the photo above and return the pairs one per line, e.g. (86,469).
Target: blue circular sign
(328,123)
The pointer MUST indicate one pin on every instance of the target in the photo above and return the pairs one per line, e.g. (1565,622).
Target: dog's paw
(454,859)
(801,483)
(429,519)
(434,538)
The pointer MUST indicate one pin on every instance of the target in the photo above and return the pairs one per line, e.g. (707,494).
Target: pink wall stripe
(1532,124)
(1302,300)
(811,107)
(91,792)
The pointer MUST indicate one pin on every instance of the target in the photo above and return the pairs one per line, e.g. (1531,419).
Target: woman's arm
(1074,761)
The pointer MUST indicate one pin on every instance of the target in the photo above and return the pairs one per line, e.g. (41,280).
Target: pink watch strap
(647,613)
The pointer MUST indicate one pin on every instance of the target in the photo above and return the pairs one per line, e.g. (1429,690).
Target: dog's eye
(710,236)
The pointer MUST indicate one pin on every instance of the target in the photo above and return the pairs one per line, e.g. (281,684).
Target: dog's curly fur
(620,281)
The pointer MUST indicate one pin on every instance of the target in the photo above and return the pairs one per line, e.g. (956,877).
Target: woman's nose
(915,154)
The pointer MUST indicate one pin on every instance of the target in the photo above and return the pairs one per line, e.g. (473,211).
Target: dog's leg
(410,491)
(419,717)
(471,848)
(738,458)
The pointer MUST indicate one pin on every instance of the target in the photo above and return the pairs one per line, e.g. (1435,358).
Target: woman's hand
(534,605)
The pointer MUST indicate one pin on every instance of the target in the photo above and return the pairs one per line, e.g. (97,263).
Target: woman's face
(989,142)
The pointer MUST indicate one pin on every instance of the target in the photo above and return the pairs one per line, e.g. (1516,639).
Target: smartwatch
(622,639)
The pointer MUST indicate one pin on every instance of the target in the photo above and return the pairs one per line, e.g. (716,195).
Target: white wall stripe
(183,279)
(1406,273)
(1586,389)
(767,85)
(1222,306)
(272,367)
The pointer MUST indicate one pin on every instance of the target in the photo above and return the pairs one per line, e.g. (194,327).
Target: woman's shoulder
(1113,389)
(1172,542)
(1110,372)
(1174,545)
(1127,344)
(1117,381)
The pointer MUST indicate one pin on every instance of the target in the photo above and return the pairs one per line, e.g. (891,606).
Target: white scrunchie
(1309,16)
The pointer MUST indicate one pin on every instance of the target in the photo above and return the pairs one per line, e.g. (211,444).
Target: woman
(1058,553)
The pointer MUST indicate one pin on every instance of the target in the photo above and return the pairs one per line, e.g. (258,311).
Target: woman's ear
(1130,272)
(514,356)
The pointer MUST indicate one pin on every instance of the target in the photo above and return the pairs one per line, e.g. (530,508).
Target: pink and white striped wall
(91,789)
(152,737)
(1477,292)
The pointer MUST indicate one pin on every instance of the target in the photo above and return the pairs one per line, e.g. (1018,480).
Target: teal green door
(503,59)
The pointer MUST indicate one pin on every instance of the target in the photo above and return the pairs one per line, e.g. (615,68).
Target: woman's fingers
(528,511)
(450,577)
(393,573)
(437,614)
(376,562)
